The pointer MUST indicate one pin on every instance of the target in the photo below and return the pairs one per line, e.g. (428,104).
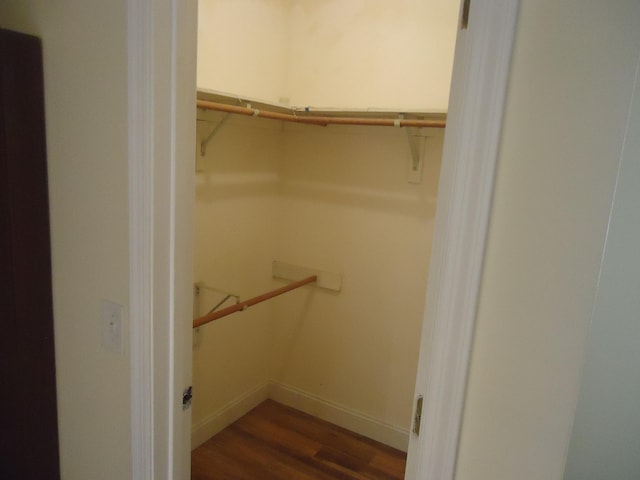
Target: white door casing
(161,76)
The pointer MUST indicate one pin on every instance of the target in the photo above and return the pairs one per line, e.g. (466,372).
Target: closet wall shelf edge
(412,121)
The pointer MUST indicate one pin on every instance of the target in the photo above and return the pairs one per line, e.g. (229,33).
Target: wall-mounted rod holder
(205,142)
(287,271)
(203,286)
(416,141)
(198,288)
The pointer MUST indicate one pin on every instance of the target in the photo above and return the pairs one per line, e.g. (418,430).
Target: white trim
(161,64)
(182,150)
(140,126)
(481,67)
(160,98)
(340,415)
(226,415)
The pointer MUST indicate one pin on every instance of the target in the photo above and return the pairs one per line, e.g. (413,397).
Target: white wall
(337,199)
(570,87)
(242,47)
(235,231)
(606,429)
(368,53)
(330,53)
(85,68)
(347,207)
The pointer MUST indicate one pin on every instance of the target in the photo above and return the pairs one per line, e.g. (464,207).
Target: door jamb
(140,48)
(161,128)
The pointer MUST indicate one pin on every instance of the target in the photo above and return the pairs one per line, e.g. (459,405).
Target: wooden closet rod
(210,317)
(321,120)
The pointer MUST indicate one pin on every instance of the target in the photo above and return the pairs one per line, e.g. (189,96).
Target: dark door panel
(28,413)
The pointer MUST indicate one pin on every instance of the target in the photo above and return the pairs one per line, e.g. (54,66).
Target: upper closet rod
(211,316)
(321,120)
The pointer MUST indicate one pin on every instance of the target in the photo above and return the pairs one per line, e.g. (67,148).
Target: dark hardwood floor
(274,442)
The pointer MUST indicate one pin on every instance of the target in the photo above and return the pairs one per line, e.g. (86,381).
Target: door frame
(161,63)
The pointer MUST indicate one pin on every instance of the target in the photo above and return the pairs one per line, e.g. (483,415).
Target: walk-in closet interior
(352,204)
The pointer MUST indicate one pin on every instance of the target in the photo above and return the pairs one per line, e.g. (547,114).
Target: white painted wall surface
(371,53)
(605,442)
(337,199)
(567,105)
(350,54)
(242,47)
(85,69)
(236,221)
(347,207)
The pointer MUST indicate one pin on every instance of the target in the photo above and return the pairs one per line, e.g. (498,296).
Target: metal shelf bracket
(205,142)
(415,164)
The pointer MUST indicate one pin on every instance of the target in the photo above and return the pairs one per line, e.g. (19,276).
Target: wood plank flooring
(274,442)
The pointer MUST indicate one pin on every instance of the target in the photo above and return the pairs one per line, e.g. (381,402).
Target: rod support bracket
(415,163)
(205,142)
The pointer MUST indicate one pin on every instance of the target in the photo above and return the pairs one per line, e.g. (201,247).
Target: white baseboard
(342,416)
(226,415)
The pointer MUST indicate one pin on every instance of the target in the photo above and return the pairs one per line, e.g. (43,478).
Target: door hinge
(464,21)
(187,396)
(417,416)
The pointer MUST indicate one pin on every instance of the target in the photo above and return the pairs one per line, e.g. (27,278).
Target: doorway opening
(340,199)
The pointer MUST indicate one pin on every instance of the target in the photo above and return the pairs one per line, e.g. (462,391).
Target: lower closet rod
(210,317)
